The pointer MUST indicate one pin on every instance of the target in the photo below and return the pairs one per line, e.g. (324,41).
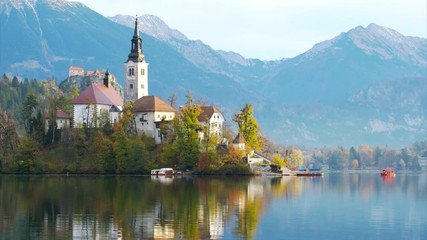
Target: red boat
(388,172)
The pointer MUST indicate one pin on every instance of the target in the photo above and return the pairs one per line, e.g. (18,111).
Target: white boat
(166,171)
(155,172)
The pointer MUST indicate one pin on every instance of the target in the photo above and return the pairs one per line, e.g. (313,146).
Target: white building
(63,120)
(150,113)
(239,142)
(212,120)
(76,71)
(96,102)
(136,70)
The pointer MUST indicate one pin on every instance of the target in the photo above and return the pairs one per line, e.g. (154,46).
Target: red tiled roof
(207,112)
(76,68)
(61,114)
(98,93)
(152,104)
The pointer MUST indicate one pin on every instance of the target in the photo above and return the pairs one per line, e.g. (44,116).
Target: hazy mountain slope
(46,37)
(230,64)
(367,85)
(333,70)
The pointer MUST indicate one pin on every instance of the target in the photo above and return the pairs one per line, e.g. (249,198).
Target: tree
(28,153)
(28,112)
(172,99)
(186,127)
(9,139)
(336,159)
(295,159)
(248,126)
(127,119)
(279,161)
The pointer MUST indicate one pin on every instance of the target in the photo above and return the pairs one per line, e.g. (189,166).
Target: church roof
(98,93)
(152,104)
(239,139)
(207,112)
(60,114)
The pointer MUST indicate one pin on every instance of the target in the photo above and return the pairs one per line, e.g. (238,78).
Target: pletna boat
(388,172)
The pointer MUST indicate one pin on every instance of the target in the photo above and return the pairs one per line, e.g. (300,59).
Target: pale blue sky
(272,29)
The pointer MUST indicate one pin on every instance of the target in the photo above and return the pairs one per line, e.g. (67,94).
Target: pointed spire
(136,54)
(136,31)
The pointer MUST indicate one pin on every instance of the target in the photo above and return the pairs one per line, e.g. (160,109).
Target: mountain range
(367,85)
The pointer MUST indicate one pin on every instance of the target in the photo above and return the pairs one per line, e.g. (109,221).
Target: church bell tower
(136,69)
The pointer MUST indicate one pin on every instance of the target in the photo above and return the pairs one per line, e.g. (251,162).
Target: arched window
(130,72)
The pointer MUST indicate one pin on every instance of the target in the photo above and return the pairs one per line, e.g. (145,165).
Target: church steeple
(136,54)
(136,69)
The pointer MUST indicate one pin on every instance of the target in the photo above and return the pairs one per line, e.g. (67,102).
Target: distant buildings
(100,102)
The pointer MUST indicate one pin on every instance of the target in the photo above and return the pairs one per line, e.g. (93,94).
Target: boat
(166,171)
(388,172)
(304,172)
(155,172)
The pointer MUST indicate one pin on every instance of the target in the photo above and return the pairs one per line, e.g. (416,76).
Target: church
(150,111)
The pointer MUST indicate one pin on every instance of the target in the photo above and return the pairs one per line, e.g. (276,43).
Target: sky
(272,29)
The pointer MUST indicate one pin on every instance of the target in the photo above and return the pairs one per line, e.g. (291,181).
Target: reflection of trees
(183,208)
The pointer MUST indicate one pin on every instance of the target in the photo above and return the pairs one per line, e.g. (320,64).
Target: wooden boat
(388,172)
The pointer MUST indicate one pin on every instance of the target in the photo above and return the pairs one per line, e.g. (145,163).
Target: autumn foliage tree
(248,126)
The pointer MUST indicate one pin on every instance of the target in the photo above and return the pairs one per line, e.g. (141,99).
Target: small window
(142,86)
(131,86)
(133,71)
(130,72)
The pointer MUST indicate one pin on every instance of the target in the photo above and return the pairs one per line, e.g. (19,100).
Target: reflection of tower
(216,222)
(136,70)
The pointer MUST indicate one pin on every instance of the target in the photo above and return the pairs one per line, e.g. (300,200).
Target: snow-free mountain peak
(376,40)
(151,25)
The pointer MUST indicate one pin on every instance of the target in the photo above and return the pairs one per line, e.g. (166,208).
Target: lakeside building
(212,122)
(150,113)
(239,142)
(63,120)
(95,103)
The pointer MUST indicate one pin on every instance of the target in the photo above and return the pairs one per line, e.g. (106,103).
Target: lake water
(335,206)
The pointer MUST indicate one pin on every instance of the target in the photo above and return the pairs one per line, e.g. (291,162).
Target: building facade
(96,105)
(150,113)
(136,70)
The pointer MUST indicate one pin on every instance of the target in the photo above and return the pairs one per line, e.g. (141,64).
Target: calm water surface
(336,206)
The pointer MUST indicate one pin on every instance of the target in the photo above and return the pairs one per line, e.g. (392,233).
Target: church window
(133,71)
(131,86)
(130,72)
(142,86)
